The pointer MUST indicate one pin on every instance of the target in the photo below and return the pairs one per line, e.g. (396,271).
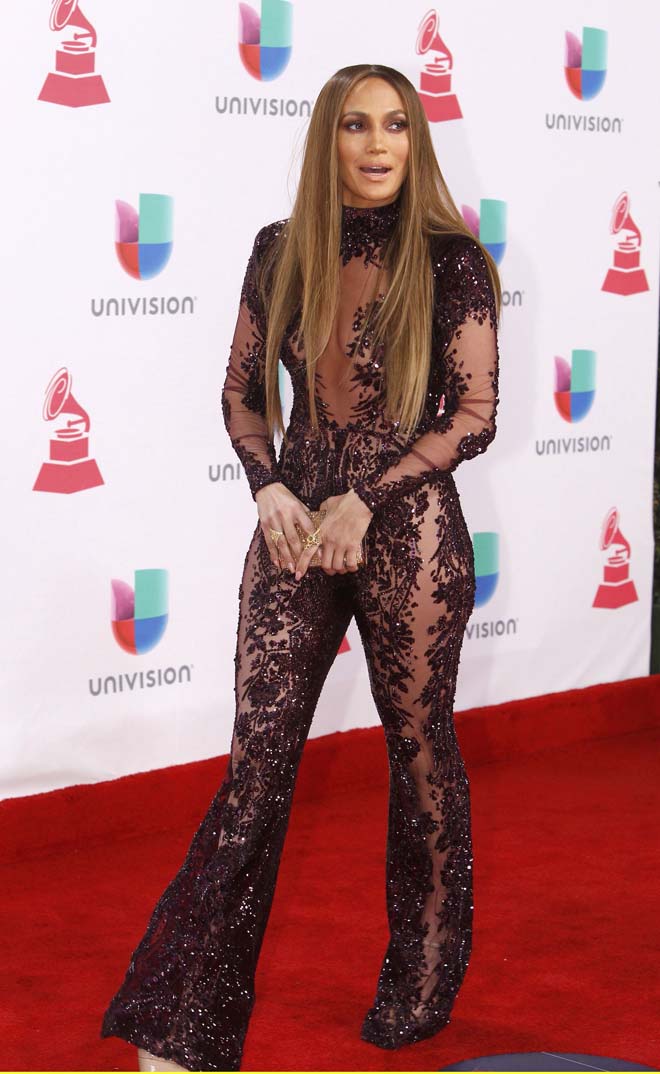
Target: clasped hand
(345,523)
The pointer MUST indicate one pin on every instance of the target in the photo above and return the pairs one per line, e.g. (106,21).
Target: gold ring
(358,558)
(275,536)
(311,539)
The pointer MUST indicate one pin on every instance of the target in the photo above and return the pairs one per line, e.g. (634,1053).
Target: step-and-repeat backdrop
(146,143)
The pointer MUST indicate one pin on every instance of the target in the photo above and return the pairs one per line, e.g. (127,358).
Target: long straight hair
(301,270)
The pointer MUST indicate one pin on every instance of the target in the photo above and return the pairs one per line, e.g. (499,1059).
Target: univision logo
(486,547)
(574,394)
(225,472)
(488,225)
(143,239)
(143,244)
(486,565)
(139,615)
(575,385)
(585,67)
(264,44)
(586,62)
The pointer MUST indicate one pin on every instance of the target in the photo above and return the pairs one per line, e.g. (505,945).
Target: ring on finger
(311,539)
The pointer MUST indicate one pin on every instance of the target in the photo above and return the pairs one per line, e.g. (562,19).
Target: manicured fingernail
(298,576)
(291,567)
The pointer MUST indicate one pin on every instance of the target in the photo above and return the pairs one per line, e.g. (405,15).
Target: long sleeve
(465,315)
(244,392)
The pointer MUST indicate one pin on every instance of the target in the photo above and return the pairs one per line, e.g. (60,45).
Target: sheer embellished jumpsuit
(188,992)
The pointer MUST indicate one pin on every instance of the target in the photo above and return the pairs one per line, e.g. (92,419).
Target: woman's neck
(367,226)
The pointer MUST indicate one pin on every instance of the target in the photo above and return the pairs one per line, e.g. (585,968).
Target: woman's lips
(376,171)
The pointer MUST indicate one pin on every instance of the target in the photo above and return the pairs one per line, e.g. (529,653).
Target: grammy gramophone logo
(617,587)
(625,276)
(435,79)
(69,467)
(74,82)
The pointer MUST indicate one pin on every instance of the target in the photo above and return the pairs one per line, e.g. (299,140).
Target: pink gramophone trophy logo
(435,80)
(69,468)
(73,82)
(626,276)
(617,587)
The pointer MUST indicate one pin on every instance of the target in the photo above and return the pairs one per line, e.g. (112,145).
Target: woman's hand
(279,509)
(345,524)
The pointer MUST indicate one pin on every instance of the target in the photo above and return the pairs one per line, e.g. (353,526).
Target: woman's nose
(376,143)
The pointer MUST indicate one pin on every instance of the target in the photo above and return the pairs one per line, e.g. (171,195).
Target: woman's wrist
(266,484)
(364,496)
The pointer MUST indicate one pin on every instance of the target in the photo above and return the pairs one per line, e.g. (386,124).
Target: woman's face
(372,144)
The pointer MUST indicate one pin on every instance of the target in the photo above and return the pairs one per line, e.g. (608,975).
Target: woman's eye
(357,124)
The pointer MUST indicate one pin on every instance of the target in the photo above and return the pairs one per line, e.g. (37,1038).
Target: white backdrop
(186,119)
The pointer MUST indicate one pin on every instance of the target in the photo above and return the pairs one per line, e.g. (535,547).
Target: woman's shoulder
(267,235)
(455,252)
(463,282)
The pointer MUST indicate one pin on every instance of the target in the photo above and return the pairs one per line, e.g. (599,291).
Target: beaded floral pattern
(188,991)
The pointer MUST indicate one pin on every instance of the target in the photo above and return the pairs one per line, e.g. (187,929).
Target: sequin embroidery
(188,992)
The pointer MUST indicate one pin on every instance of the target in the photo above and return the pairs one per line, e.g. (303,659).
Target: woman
(383,308)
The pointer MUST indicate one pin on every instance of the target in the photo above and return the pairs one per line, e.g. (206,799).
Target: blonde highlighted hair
(301,269)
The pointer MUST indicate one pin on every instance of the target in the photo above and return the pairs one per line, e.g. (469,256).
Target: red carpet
(566,823)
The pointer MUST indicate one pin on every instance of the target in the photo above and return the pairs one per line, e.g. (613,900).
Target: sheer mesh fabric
(189,989)
(350,393)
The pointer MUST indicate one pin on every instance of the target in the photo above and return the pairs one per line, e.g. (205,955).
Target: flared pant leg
(189,989)
(413,606)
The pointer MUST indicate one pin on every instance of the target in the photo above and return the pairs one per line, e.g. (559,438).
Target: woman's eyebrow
(365,115)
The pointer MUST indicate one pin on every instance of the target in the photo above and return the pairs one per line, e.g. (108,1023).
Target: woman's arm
(244,392)
(465,309)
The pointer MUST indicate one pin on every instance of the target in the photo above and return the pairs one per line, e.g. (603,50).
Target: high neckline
(365,228)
